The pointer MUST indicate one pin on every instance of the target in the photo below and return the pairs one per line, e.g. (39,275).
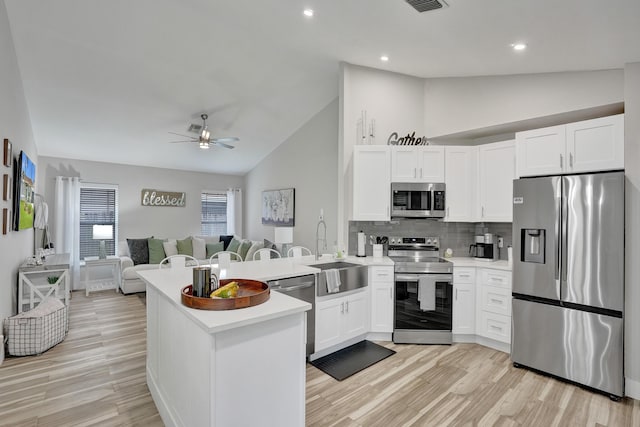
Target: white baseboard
(632,388)
(496,345)
(379,336)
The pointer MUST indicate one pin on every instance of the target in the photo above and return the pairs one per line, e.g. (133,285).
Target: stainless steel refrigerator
(568,278)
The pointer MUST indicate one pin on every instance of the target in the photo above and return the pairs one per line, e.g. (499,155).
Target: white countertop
(471,262)
(169,282)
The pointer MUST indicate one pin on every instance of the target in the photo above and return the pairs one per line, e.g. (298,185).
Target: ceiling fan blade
(174,142)
(186,136)
(223,144)
(226,139)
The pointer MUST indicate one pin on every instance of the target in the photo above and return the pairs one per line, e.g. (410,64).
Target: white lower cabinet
(381,284)
(340,318)
(464,301)
(493,306)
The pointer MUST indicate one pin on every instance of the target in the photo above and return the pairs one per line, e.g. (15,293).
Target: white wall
(306,161)
(632,227)
(396,103)
(453,105)
(15,125)
(135,220)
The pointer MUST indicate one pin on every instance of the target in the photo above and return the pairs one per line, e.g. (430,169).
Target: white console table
(34,285)
(93,263)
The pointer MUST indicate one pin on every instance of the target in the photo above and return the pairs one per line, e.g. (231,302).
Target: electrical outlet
(500,242)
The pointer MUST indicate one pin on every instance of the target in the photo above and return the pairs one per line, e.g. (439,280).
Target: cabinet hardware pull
(571,160)
(415,172)
(483,212)
(456,295)
(447,212)
(347,306)
(495,328)
(561,162)
(496,301)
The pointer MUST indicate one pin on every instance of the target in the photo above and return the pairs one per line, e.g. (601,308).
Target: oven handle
(416,277)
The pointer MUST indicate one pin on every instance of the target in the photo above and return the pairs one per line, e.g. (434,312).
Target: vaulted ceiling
(107,80)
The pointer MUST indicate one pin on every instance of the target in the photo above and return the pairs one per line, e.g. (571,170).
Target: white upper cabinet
(596,144)
(586,146)
(461,180)
(417,163)
(541,151)
(371,183)
(496,174)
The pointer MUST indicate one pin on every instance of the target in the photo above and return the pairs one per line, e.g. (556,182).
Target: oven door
(423,308)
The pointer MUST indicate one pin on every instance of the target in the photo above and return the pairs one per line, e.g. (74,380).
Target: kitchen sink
(336,264)
(352,276)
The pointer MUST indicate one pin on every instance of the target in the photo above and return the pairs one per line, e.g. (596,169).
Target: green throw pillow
(156,250)
(185,247)
(234,245)
(244,248)
(214,248)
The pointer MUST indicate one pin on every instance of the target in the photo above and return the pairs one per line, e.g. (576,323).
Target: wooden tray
(250,293)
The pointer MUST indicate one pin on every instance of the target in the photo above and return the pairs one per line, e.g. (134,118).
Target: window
(98,206)
(214,213)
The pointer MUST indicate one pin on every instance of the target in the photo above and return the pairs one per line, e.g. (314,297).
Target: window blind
(98,205)
(214,213)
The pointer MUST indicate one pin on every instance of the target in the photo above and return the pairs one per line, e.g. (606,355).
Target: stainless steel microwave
(417,200)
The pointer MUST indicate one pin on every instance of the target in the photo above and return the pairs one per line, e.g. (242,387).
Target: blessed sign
(162,198)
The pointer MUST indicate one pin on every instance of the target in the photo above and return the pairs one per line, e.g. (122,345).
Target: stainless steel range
(423,291)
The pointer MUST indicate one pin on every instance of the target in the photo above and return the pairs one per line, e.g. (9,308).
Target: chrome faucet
(323,239)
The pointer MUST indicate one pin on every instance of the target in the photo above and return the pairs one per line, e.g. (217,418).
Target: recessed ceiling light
(308,13)
(384,58)
(519,46)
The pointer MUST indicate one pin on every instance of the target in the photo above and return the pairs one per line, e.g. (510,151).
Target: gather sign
(151,197)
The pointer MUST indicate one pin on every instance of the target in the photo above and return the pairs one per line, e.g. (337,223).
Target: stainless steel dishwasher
(303,288)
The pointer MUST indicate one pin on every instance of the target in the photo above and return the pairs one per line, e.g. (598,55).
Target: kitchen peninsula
(220,368)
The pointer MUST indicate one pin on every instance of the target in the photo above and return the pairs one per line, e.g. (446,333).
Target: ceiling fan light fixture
(204,145)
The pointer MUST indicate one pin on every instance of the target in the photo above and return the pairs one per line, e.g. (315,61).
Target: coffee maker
(486,250)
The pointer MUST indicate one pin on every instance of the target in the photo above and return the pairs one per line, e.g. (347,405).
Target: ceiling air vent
(194,128)
(427,5)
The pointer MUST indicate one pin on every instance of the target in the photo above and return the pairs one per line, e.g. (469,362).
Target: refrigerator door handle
(565,232)
(558,227)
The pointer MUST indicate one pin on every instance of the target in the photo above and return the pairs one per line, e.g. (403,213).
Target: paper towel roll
(362,239)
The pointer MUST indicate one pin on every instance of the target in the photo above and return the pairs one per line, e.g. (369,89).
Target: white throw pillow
(123,248)
(170,247)
(199,248)
(253,249)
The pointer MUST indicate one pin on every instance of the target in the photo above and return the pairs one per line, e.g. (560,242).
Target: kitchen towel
(333,280)
(426,294)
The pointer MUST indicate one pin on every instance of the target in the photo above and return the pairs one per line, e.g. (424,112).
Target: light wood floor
(97,377)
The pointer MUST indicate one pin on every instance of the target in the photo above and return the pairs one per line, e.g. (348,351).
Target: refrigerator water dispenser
(533,245)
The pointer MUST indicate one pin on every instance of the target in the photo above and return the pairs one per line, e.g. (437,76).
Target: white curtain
(67,223)
(234,211)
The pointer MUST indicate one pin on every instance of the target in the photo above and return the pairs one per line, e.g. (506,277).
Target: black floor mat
(348,361)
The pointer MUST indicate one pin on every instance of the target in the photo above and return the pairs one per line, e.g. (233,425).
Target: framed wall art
(7,189)
(278,207)
(7,155)
(6,218)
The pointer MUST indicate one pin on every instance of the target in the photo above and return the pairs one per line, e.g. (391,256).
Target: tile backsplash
(455,235)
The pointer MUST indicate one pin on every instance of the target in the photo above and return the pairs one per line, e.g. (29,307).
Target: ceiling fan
(204,138)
